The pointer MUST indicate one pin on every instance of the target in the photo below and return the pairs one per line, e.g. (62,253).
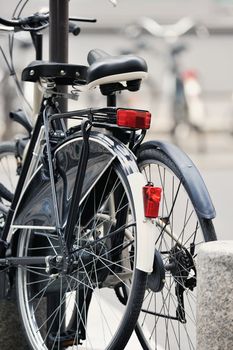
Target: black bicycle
(103,230)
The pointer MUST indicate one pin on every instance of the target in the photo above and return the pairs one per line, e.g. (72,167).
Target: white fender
(145,227)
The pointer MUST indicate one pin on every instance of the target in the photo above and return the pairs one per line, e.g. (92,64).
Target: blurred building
(211,54)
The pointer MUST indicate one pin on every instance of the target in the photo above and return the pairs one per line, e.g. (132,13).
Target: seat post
(111,100)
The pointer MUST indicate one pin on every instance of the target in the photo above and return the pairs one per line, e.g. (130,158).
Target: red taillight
(132,118)
(189,74)
(151,196)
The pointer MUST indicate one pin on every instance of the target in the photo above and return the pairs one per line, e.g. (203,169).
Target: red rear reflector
(151,196)
(189,74)
(132,118)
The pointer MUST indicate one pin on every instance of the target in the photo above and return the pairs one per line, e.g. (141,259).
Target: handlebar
(37,22)
(166,31)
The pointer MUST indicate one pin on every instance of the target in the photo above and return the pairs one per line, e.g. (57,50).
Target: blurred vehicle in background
(11,88)
(179,93)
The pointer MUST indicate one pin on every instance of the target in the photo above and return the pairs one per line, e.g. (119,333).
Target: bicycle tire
(40,329)
(8,169)
(167,318)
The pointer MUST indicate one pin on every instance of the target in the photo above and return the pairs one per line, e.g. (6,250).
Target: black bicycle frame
(72,214)
(20,184)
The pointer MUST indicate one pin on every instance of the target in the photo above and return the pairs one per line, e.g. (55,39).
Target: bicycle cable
(22,7)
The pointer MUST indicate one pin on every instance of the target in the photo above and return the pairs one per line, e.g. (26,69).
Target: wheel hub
(181,264)
(92,261)
(156,279)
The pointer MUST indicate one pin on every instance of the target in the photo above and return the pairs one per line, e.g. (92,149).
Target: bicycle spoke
(168,317)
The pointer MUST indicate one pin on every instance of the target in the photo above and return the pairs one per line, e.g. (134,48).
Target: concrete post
(215,296)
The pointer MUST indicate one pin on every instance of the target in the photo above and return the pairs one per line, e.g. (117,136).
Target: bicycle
(178,95)
(10,100)
(107,206)
(53,257)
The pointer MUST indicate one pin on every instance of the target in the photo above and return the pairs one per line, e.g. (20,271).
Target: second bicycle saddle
(107,71)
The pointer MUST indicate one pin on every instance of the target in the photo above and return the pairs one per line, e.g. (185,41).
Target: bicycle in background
(178,95)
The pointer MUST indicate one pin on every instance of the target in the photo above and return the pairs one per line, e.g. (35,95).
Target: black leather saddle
(60,73)
(105,71)
(110,71)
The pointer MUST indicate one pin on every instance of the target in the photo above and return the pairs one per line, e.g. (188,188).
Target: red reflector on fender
(151,196)
(132,118)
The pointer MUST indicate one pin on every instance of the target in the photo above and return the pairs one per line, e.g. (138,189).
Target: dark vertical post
(58,37)
(59,29)
(11,334)
(58,52)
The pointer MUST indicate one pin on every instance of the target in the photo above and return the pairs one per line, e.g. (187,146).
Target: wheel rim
(167,319)
(99,264)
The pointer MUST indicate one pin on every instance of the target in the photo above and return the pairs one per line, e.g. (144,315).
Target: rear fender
(192,179)
(36,211)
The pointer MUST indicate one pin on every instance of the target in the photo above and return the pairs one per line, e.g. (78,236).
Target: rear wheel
(168,316)
(75,304)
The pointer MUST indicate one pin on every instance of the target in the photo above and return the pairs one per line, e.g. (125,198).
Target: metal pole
(58,52)
(58,37)
(11,334)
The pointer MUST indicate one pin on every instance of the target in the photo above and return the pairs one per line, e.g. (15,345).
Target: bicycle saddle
(108,71)
(60,73)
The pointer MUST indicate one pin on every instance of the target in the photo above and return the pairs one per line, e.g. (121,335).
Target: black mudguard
(192,178)
(36,206)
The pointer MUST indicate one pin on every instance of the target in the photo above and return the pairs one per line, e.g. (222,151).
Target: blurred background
(189,51)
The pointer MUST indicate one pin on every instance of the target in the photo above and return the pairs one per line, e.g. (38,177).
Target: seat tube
(111,100)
